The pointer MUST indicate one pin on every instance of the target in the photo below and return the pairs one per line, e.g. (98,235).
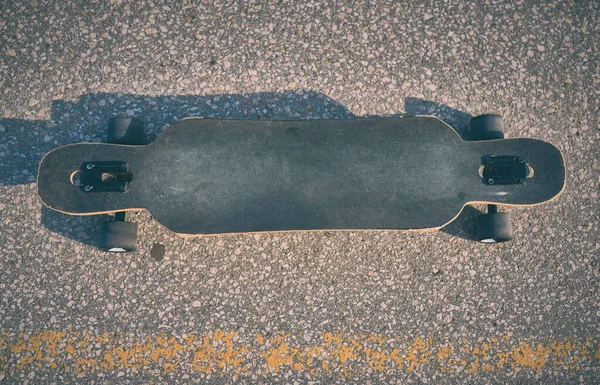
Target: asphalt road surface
(329,307)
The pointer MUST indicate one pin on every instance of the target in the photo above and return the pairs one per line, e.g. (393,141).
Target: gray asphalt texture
(330,307)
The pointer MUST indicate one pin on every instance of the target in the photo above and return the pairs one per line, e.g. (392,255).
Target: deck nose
(519,171)
(86,178)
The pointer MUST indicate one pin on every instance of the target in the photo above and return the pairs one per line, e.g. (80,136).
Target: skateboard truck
(503,170)
(105,176)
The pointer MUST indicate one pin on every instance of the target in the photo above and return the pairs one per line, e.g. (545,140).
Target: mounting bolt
(88,188)
(124,166)
(122,187)
(491,181)
(89,166)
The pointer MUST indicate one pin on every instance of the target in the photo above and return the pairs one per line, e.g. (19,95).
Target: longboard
(210,176)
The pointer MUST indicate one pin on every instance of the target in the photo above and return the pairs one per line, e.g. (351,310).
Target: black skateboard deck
(207,176)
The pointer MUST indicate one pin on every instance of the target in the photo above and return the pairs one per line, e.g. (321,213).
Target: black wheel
(123,130)
(486,127)
(118,237)
(493,227)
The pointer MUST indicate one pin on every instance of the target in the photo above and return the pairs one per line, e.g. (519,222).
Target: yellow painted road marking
(228,353)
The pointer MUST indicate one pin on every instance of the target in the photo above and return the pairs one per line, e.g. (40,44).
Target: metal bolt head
(491,181)
(89,166)
(122,187)
(88,188)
